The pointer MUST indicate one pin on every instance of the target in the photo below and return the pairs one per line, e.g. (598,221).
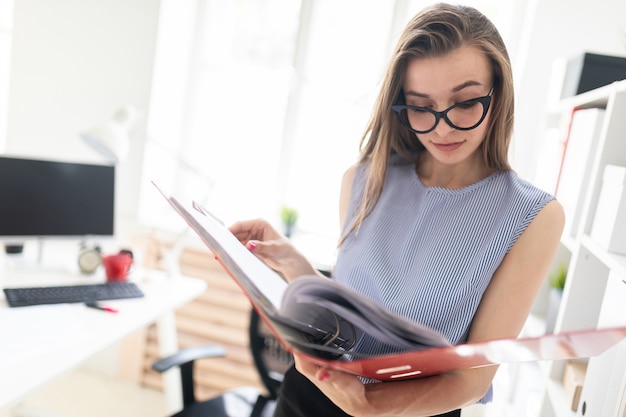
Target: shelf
(597,98)
(591,297)
(569,243)
(560,404)
(613,261)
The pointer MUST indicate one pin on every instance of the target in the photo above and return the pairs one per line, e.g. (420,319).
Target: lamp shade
(111,139)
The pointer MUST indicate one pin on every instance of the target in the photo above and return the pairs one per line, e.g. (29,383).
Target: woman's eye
(466,104)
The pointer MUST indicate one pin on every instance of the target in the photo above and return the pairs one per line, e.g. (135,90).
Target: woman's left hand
(272,248)
(345,390)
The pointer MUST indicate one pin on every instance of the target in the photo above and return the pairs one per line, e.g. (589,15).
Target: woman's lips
(448,147)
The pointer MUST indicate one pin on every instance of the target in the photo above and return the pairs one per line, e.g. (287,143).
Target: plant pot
(554,303)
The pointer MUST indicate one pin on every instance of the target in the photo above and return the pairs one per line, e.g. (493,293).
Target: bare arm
(501,314)
(344,197)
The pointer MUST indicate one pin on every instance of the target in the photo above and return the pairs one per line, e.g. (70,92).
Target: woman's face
(441,82)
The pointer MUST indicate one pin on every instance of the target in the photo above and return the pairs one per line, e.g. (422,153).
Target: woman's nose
(443,128)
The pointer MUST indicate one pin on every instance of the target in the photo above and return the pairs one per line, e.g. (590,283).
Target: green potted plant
(558,277)
(557,283)
(289,217)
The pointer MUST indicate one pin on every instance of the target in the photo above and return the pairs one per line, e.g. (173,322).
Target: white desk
(40,343)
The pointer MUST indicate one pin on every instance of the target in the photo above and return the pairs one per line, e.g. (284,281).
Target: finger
(237,227)
(314,372)
(304,365)
(245,226)
(241,232)
(251,245)
(259,248)
(263,248)
(323,374)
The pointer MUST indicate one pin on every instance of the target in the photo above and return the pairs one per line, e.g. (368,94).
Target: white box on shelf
(613,311)
(609,223)
(573,379)
(579,152)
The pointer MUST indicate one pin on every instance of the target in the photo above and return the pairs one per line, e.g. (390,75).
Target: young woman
(436,225)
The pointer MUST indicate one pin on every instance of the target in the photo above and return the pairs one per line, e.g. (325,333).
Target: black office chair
(270,359)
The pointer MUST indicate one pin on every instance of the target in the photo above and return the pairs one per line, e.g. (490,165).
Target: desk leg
(168,344)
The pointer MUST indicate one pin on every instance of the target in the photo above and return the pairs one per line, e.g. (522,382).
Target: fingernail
(324,376)
(251,246)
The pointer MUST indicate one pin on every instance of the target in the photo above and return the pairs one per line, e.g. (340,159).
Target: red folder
(568,345)
(323,321)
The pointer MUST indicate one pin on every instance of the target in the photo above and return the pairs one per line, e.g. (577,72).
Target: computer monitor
(53,199)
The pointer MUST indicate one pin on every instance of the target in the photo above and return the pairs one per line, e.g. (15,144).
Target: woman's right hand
(272,248)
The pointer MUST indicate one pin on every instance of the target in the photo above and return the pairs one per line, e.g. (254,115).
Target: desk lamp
(111,138)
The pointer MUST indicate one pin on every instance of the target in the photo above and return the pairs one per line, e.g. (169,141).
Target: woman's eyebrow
(416,94)
(470,83)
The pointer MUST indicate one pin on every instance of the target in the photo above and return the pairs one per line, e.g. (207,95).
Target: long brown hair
(435,31)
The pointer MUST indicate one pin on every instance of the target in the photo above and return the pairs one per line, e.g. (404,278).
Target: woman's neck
(433,173)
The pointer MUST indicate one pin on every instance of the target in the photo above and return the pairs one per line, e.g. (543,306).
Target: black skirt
(299,397)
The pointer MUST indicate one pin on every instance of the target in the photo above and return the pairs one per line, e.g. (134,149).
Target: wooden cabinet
(218,316)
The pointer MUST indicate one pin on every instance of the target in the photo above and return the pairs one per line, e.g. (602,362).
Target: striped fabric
(428,253)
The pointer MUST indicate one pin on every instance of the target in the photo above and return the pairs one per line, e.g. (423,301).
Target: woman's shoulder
(523,187)
(538,204)
(347,179)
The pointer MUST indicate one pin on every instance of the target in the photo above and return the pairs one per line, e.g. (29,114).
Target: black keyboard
(29,296)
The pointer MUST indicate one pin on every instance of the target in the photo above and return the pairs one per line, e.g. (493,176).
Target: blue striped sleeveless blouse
(428,253)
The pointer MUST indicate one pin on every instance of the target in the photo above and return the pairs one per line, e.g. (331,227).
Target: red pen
(99,307)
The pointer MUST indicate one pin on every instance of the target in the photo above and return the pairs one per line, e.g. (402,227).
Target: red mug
(117,266)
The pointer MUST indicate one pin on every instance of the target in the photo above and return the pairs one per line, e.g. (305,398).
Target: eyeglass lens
(462,115)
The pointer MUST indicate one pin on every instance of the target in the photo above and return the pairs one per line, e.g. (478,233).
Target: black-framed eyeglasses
(466,115)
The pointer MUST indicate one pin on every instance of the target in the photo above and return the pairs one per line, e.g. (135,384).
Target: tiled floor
(84,393)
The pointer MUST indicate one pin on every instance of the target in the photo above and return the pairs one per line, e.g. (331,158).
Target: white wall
(6,25)
(559,28)
(73,63)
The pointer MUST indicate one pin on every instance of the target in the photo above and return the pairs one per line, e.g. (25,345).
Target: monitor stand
(12,249)
(39,258)
(17,254)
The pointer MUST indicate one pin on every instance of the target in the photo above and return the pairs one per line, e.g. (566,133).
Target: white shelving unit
(595,290)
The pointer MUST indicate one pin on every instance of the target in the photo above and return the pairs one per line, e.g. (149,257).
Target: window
(6,12)
(267,102)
